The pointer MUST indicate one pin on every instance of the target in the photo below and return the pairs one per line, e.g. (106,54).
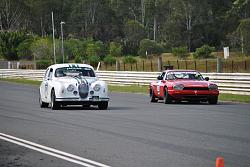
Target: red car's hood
(192,83)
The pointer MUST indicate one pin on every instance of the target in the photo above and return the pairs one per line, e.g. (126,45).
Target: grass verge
(21,81)
(138,89)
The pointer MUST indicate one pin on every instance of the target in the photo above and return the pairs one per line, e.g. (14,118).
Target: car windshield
(193,75)
(74,71)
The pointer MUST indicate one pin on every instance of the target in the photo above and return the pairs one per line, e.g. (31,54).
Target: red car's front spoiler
(193,94)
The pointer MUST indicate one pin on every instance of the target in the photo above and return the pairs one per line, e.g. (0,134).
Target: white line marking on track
(51,151)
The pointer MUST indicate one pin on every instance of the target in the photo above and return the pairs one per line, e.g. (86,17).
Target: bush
(23,49)
(42,48)
(181,52)
(149,46)
(43,64)
(93,60)
(115,49)
(74,48)
(109,59)
(204,52)
(9,42)
(129,60)
(78,59)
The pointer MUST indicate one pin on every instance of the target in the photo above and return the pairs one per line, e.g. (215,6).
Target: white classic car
(72,84)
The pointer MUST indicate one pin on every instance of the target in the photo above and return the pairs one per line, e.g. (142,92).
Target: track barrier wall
(234,83)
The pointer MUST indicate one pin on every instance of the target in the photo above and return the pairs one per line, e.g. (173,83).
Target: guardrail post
(117,65)
(219,65)
(9,64)
(159,63)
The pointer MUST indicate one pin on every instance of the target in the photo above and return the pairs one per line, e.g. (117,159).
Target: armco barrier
(235,83)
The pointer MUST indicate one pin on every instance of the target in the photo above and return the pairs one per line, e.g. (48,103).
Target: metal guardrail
(234,83)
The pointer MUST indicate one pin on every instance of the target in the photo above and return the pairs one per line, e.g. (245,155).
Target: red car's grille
(195,88)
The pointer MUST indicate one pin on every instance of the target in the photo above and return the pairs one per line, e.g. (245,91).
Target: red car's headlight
(178,87)
(213,87)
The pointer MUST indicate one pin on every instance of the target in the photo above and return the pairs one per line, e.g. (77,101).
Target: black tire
(213,100)
(103,105)
(85,105)
(42,104)
(54,104)
(153,98)
(167,98)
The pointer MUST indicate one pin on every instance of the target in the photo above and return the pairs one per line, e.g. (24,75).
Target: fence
(235,83)
(151,65)
(209,65)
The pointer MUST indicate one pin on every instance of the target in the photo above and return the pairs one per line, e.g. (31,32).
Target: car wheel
(54,104)
(167,98)
(42,104)
(152,96)
(103,105)
(213,100)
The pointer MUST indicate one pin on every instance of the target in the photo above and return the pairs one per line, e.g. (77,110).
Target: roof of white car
(70,65)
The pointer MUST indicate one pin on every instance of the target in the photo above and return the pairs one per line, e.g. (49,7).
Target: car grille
(83,89)
(198,97)
(195,88)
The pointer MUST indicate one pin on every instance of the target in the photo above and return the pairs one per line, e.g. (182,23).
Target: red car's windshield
(184,75)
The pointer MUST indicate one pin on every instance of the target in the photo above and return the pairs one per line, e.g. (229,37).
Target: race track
(132,133)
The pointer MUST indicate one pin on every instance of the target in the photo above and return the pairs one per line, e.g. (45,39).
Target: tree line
(99,29)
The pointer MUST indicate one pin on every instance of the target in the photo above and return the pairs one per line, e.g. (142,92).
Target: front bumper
(76,99)
(199,95)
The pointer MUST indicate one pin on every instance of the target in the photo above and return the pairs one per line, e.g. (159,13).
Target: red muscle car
(183,85)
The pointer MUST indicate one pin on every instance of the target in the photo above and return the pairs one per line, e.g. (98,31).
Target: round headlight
(178,87)
(70,88)
(212,87)
(97,87)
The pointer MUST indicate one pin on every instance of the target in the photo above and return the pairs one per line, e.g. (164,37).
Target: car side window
(50,73)
(46,74)
(170,76)
(162,75)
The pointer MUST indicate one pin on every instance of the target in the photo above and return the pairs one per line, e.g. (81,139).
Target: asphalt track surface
(132,133)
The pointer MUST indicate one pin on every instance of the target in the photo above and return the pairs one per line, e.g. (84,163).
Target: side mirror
(207,78)
(160,77)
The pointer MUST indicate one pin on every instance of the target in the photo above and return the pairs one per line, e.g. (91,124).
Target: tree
(150,47)
(244,32)
(134,33)
(12,15)
(74,48)
(42,49)
(24,48)
(115,49)
(9,42)
(204,52)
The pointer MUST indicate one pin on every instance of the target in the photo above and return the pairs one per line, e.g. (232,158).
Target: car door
(48,83)
(159,85)
(42,87)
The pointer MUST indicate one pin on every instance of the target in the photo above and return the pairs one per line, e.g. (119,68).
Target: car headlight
(70,88)
(178,87)
(97,87)
(212,87)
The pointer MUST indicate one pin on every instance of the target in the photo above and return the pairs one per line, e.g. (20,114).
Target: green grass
(138,89)
(21,81)
(234,98)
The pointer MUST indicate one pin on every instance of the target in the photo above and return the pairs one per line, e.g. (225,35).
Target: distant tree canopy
(173,23)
